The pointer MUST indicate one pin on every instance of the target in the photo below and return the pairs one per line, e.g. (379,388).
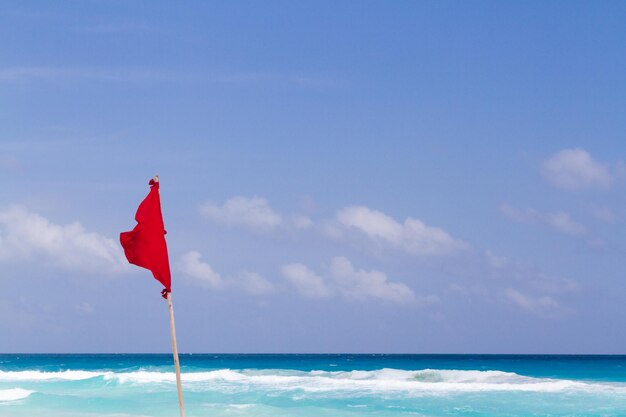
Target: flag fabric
(145,245)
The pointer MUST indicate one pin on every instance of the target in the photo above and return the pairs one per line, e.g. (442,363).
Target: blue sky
(336,176)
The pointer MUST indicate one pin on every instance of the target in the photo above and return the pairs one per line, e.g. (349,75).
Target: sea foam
(383,380)
(14,394)
(42,376)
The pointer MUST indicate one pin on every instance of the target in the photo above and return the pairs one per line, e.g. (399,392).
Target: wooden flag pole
(145,246)
(181,403)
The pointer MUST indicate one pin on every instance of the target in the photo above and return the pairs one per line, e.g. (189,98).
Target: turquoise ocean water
(313,385)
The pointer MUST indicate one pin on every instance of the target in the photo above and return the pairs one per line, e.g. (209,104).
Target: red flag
(145,245)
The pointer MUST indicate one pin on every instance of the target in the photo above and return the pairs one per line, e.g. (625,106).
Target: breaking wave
(382,380)
(42,376)
(14,394)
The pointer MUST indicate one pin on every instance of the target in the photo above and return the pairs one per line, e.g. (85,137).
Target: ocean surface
(313,385)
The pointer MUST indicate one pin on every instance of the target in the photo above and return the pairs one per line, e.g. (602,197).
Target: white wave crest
(352,382)
(14,394)
(43,376)
(383,380)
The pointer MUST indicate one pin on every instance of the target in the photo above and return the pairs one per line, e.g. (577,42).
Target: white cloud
(533,304)
(563,223)
(301,222)
(361,284)
(575,169)
(85,308)
(306,282)
(255,284)
(543,283)
(332,230)
(528,216)
(201,272)
(29,236)
(357,284)
(495,261)
(253,212)
(560,221)
(412,236)
(471,290)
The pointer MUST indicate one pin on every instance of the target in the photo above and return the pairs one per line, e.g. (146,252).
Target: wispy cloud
(576,169)
(253,283)
(560,221)
(28,236)
(359,222)
(305,281)
(494,260)
(254,213)
(412,236)
(302,222)
(361,284)
(523,286)
(200,273)
(343,279)
(532,303)
(84,308)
